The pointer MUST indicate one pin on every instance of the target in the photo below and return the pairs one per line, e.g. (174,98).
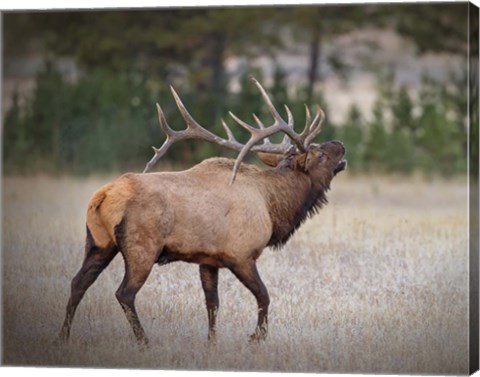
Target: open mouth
(342,165)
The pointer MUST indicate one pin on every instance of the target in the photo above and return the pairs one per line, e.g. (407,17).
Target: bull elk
(219,214)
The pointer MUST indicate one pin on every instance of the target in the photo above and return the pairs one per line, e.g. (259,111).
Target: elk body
(218,214)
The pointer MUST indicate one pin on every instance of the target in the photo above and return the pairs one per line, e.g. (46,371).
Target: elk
(220,213)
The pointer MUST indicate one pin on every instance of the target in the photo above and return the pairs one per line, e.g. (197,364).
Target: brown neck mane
(291,198)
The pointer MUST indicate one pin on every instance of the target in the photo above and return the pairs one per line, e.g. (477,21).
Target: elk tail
(95,222)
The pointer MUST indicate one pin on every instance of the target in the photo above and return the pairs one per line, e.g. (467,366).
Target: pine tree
(352,134)
(376,148)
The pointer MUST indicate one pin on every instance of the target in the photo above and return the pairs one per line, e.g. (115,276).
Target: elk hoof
(212,339)
(62,337)
(59,342)
(258,336)
(143,343)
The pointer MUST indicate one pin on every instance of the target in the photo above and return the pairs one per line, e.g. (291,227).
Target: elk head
(325,160)
(318,160)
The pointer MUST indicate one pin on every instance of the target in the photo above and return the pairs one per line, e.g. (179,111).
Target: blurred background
(79,88)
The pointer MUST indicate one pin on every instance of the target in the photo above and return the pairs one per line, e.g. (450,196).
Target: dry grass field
(377,282)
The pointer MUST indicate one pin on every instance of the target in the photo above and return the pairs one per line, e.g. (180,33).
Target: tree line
(106,119)
(107,122)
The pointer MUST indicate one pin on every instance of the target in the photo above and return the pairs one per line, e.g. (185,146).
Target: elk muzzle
(336,150)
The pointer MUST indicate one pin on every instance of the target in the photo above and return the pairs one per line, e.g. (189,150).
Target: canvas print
(256,188)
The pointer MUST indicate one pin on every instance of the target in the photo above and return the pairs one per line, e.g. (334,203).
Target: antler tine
(287,141)
(308,118)
(308,124)
(315,127)
(242,123)
(171,137)
(267,100)
(312,127)
(262,127)
(163,121)
(241,156)
(290,117)
(258,121)
(229,132)
(279,121)
(192,124)
(195,130)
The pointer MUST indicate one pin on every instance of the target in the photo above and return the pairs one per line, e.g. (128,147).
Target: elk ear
(302,161)
(307,159)
(270,159)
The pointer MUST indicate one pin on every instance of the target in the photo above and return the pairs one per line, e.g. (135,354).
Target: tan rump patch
(107,208)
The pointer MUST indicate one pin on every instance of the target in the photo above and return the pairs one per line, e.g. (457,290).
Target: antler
(196,131)
(302,141)
(313,128)
(193,131)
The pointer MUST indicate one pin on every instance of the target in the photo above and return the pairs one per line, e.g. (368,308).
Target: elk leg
(247,273)
(136,272)
(209,277)
(96,260)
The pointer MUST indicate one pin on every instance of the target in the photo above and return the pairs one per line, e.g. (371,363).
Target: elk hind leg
(247,273)
(209,278)
(95,261)
(138,264)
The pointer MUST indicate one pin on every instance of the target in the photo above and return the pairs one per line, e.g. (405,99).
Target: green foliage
(426,132)
(352,135)
(433,27)
(107,121)
(443,132)
(82,127)
(401,157)
(402,108)
(375,152)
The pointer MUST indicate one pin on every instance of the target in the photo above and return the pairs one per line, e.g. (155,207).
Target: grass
(376,283)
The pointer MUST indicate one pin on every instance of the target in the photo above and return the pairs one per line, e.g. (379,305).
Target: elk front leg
(247,273)
(209,277)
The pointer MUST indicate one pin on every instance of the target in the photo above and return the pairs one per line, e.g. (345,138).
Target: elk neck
(291,197)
